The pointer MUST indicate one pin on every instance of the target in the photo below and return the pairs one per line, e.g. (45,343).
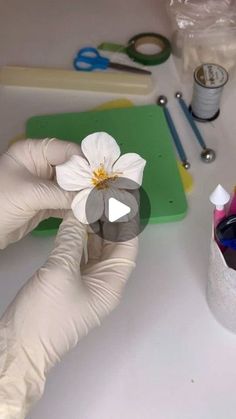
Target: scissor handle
(89,59)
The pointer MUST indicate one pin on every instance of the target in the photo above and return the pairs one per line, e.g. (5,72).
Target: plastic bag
(211,46)
(201,14)
(203,31)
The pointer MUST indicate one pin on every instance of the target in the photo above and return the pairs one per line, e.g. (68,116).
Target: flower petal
(88,205)
(100,148)
(74,175)
(130,166)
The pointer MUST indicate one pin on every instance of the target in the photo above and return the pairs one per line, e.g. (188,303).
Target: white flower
(101,170)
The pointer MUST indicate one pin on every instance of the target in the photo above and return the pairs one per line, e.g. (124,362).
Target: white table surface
(161,354)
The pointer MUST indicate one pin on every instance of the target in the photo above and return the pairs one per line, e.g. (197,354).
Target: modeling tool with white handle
(219,197)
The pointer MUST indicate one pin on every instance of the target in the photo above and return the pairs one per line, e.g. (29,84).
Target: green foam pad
(140,129)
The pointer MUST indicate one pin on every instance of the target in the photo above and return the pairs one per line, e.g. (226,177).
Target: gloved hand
(56,308)
(28,193)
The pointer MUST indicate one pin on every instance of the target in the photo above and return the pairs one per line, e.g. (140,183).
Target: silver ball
(208,155)
(162,101)
(178,95)
(186,165)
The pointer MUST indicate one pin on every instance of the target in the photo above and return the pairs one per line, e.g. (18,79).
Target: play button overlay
(117,210)
(122,209)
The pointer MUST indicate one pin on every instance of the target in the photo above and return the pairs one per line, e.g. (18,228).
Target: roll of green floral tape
(153,39)
(140,40)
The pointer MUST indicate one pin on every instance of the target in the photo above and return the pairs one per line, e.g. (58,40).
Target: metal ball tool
(162,101)
(207,155)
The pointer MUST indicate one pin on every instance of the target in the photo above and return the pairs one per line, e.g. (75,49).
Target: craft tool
(209,81)
(225,232)
(219,197)
(132,49)
(232,207)
(114,104)
(89,59)
(186,178)
(207,155)
(116,82)
(162,101)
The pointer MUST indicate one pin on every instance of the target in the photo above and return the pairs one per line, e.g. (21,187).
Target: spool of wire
(209,81)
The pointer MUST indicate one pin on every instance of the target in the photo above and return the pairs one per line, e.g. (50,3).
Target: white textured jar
(221,289)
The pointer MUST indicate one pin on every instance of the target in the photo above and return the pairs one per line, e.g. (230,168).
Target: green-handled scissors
(89,59)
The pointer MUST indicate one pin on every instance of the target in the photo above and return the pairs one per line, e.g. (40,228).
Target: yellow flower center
(101,177)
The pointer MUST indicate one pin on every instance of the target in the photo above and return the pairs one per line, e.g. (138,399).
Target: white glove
(28,193)
(56,308)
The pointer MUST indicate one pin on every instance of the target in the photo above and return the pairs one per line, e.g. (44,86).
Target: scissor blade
(123,67)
